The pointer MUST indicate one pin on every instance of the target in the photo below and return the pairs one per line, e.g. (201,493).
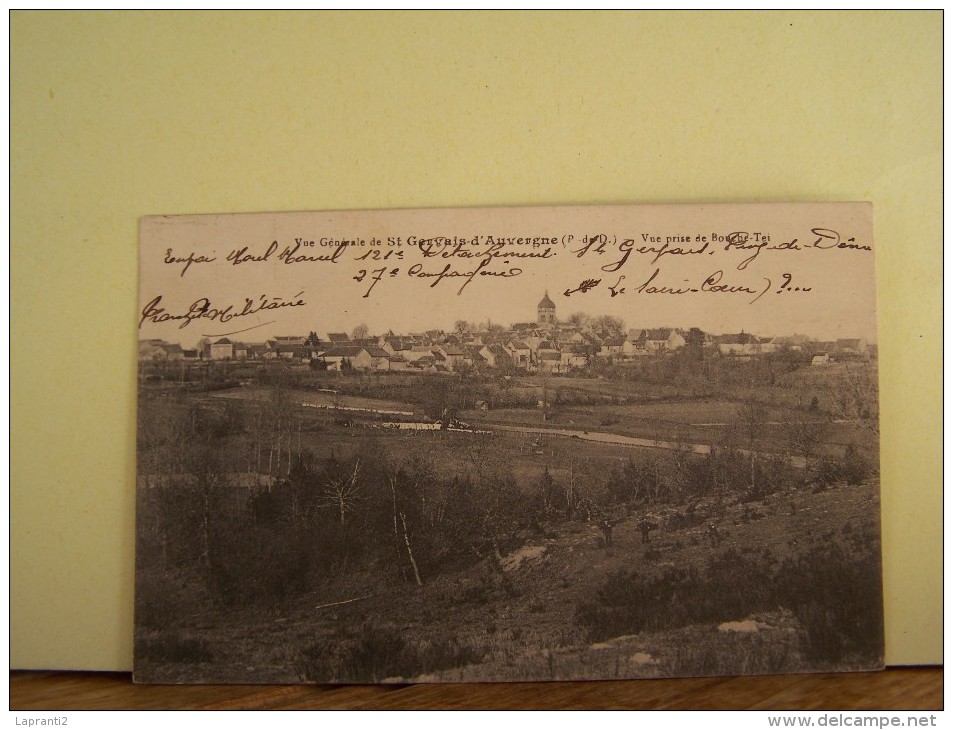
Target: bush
(258,566)
(852,469)
(163,599)
(628,603)
(855,468)
(173,649)
(378,652)
(834,590)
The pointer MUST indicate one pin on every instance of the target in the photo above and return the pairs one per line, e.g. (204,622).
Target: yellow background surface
(118,115)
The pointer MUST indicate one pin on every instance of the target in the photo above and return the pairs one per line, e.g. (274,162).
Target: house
(795,342)
(767,345)
(549,362)
(160,350)
(823,359)
(358,357)
(259,351)
(397,363)
(454,355)
(661,340)
(380,359)
(223,349)
(634,343)
(738,344)
(613,346)
(572,358)
(496,356)
(851,347)
(417,352)
(424,362)
(521,353)
(173,352)
(338,338)
(151,350)
(393,345)
(546,347)
(472,356)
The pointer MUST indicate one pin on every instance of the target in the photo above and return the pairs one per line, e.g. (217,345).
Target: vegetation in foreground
(380,561)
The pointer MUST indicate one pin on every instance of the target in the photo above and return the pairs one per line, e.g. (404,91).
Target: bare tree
(753,418)
(578,319)
(403,521)
(342,492)
(360,332)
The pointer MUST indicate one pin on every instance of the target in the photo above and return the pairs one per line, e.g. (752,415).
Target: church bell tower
(546,311)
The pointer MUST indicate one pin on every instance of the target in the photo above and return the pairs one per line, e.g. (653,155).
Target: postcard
(507,444)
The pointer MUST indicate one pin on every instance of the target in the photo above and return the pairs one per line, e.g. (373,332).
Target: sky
(625,261)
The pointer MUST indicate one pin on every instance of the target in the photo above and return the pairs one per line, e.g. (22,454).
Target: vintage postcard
(514,444)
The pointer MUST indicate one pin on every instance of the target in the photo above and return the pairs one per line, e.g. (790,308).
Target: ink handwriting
(203,308)
(171,258)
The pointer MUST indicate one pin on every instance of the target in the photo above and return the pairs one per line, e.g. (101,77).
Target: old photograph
(516,444)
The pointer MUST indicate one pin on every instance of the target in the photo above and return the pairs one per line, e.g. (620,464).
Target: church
(546,311)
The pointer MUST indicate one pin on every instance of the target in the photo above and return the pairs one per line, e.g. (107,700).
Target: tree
(359,332)
(461,326)
(695,344)
(695,337)
(609,326)
(854,396)
(397,533)
(341,492)
(548,491)
(804,431)
(439,401)
(313,340)
(578,319)
(753,418)
(589,348)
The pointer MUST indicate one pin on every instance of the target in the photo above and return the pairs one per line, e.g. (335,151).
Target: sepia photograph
(517,444)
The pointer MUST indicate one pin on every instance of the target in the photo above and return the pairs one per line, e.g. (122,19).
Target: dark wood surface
(893,689)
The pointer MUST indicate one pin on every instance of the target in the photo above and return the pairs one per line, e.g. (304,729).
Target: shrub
(164,598)
(855,467)
(834,590)
(258,566)
(377,652)
(173,649)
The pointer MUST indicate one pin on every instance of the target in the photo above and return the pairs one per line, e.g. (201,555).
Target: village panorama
(553,500)
(542,346)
